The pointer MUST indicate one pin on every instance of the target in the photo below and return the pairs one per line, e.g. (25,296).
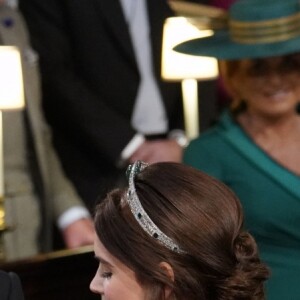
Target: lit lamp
(186,68)
(11,97)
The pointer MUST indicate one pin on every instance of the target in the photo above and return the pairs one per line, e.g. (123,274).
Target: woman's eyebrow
(102,261)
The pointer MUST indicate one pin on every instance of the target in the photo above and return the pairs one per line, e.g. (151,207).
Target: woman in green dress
(255,147)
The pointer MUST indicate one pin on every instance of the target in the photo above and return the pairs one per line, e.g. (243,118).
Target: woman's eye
(106,275)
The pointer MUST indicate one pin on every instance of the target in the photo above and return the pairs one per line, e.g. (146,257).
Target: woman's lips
(278,94)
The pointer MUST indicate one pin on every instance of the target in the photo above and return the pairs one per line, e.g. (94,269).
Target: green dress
(270,195)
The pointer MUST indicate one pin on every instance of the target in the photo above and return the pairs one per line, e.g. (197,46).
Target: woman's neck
(279,137)
(267,126)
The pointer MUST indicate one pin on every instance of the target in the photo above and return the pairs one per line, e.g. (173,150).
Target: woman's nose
(275,79)
(96,285)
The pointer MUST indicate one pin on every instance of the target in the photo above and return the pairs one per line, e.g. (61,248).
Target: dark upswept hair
(203,216)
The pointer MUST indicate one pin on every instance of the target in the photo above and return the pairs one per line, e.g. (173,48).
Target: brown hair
(227,69)
(203,216)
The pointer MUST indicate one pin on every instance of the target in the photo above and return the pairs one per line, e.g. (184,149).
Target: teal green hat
(255,29)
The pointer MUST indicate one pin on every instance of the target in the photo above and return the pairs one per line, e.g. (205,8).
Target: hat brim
(221,46)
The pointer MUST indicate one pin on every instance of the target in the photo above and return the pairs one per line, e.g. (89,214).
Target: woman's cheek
(108,290)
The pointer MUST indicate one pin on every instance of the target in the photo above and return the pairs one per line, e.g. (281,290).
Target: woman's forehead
(271,61)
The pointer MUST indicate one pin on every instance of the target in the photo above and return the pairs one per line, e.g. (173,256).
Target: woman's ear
(168,270)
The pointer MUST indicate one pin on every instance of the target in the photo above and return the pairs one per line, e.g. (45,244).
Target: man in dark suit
(92,75)
(10,286)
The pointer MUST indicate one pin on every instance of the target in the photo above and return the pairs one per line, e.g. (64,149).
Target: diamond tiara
(140,214)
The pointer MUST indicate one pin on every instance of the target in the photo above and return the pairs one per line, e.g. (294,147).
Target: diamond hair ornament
(140,214)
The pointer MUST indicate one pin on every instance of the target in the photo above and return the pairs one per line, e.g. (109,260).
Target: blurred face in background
(269,87)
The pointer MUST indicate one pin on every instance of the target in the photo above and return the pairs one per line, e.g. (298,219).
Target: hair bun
(245,247)
(249,274)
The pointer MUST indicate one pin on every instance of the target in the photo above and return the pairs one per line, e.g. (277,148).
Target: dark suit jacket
(10,286)
(90,80)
